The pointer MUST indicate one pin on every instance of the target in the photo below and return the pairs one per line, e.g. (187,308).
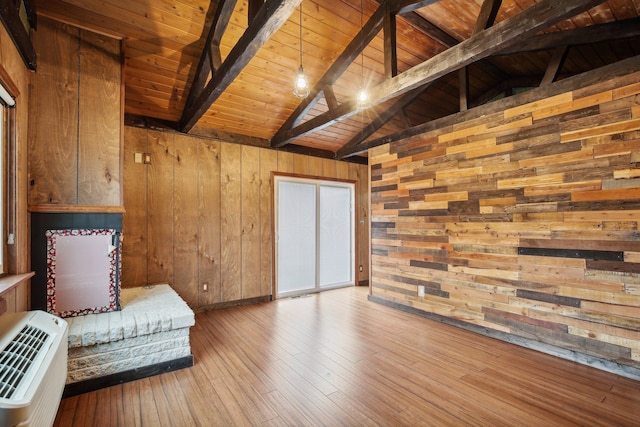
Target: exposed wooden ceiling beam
(377,21)
(326,154)
(390,45)
(145,122)
(91,20)
(210,58)
(342,111)
(330,97)
(513,30)
(431,30)
(221,20)
(254,7)
(505,86)
(620,68)
(400,7)
(463,87)
(369,30)
(490,41)
(428,28)
(271,16)
(555,64)
(488,14)
(380,121)
(436,33)
(486,18)
(617,30)
(10,17)
(405,119)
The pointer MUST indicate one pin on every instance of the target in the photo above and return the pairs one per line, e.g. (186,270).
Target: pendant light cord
(362,94)
(300,8)
(361,46)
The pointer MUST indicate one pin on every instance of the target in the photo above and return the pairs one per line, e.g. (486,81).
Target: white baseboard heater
(33,368)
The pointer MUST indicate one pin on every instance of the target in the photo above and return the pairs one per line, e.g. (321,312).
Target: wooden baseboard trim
(86,386)
(563,353)
(236,303)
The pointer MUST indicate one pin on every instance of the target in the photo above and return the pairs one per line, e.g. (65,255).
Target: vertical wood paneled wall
(75,118)
(15,75)
(201,213)
(522,219)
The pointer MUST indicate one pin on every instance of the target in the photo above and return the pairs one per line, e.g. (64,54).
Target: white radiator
(33,368)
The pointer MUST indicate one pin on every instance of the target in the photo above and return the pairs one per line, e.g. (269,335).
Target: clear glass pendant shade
(363,98)
(301,86)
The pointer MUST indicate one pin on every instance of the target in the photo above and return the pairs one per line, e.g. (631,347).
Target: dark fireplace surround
(44,225)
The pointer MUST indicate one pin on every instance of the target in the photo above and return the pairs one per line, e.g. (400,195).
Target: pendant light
(301,85)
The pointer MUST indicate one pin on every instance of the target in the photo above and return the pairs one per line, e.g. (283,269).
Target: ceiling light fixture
(301,86)
(363,96)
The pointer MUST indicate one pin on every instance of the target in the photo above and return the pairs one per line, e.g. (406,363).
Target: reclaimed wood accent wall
(522,218)
(201,212)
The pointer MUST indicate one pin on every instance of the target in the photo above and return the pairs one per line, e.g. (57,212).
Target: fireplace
(76,259)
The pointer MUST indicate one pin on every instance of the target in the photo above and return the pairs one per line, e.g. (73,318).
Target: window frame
(7,176)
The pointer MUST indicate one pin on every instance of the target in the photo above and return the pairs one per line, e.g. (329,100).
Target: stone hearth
(146,337)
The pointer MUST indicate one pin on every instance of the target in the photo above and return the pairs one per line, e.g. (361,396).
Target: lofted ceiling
(411,56)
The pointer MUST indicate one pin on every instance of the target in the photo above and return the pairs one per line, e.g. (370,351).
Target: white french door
(315,237)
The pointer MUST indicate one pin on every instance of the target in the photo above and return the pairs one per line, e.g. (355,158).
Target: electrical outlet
(361,269)
(420,291)
(137,157)
(205,287)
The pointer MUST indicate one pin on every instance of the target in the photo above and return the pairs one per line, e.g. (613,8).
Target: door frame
(274,244)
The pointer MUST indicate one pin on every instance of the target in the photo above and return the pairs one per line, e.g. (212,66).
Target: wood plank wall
(522,219)
(15,76)
(75,118)
(201,212)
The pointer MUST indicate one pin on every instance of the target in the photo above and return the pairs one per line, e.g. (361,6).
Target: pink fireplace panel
(82,271)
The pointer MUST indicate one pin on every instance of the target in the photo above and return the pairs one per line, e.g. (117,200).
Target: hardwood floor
(335,359)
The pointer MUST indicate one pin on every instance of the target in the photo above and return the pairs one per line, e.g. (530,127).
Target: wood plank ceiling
(418,60)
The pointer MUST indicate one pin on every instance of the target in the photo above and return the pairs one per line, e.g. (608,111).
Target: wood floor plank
(171,387)
(534,414)
(132,403)
(86,409)
(360,413)
(557,375)
(116,404)
(553,400)
(290,415)
(352,380)
(317,406)
(237,413)
(206,399)
(229,356)
(336,359)
(162,405)
(627,388)
(252,403)
(103,411)
(66,412)
(433,386)
(626,408)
